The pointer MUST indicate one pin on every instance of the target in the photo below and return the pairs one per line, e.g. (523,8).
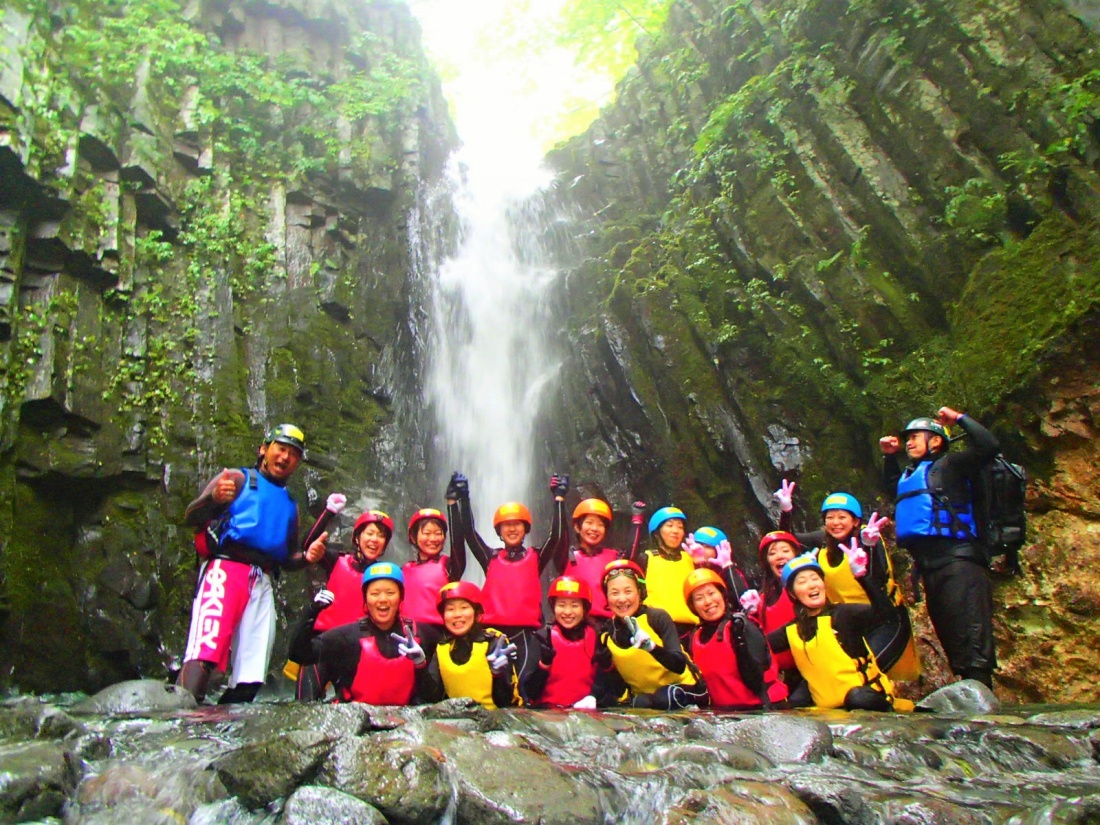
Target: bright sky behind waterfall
(519,95)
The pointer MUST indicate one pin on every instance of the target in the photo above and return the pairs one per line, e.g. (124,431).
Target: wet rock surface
(292,763)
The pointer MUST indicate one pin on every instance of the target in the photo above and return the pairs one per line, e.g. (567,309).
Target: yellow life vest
(473,680)
(664,582)
(842,587)
(828,670)
(642,673)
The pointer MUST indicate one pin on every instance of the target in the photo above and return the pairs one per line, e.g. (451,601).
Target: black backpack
(999,491)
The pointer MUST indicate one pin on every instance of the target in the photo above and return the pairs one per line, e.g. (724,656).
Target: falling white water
(491,359)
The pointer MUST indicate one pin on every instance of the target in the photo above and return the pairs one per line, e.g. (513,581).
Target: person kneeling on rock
(827,641)
(378,659)
(729,649)
(567,650)
(640,661)
(472,661)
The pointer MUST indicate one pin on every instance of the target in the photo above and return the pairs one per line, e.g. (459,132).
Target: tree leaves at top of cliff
(155,49)
(602,33)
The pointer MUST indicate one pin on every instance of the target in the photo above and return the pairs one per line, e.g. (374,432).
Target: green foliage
(602,33)
(976,209)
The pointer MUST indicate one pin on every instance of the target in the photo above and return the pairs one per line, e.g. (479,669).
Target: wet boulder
(510,784)
(1076,718)
(316,805)
(261,772)
(779,739)
(661,754)
(26,718)
(405,781)
(834,800)
(262,723)
(153,792)
(35,780)
(137,696)
(967,697)
(744,802)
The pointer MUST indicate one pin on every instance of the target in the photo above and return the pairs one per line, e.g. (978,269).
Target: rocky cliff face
(811,222)
(204,231)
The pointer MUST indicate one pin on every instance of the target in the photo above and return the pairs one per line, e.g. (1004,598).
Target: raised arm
(557,543)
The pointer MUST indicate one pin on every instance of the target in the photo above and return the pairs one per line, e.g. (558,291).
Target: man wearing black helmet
(935,522)
(251,526)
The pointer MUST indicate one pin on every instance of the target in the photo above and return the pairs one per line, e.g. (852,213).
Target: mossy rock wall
(802,224)
(204,231)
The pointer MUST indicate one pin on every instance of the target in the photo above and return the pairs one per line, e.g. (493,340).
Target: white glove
(587,703)
(408,647)
(872,530)
(336,502)
(857,558)
(750,601)
(323,599)
(500,656)
(724,554)
(785,495)
(638,637)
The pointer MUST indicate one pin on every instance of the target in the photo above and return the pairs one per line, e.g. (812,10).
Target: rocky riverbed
(143,752)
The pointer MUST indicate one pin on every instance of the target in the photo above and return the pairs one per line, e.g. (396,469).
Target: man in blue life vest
(934,518)
(250,524)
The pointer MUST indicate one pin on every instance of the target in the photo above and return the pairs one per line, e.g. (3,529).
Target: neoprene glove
(637,512)
(724,553)
(458,487)
(587,703)
(857,558)
(694,549)
(785,495)
(500,656)
(750,601)
(322,600)
(559,485)
(872,530)
(408,647)
(336,503)
(638,637)
(546,647)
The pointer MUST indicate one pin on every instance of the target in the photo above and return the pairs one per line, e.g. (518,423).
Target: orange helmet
(570,588)
(592,507)
(511,511)
(697,578)
(460,590)
(423,515)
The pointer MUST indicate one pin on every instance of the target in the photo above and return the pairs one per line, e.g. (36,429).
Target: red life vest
(590,569)
(512,593)
(772,617)
(422,582)
(573,670)
(719,665)
(381,681)
(346,584)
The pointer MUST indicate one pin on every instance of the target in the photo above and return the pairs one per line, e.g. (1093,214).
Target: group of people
(665,626)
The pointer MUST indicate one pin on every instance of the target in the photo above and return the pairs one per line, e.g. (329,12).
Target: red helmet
(778,535)
(593,507)
(511,511)
(373,517)
(570,588)
(423,515)
(460,590)
(624,567)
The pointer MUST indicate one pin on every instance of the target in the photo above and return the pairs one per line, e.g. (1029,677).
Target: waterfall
(491,359)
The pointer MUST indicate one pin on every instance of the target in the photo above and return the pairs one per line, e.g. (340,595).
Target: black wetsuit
(953,571)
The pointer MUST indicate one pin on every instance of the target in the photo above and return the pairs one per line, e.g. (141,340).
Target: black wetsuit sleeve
(852,622)
(457,564)
(504,689)
(319,526)
(431,686)
(669,653)
(296,558)
(735,582)
(557,540)
(981,447)
(751,650)
(609,686)
(303,648)
(636,544)
(778,641)
(204,508)
(481,552)
(533,683)
(808,540)
(891,474)
(338,654)
(877,578)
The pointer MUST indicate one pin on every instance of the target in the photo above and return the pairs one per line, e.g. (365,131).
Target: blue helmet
(807,561)
(663,515)
(710,536)
(842,501)
(384,570)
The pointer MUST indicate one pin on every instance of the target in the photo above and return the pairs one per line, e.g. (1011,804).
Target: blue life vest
(922,509)
(260,517)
